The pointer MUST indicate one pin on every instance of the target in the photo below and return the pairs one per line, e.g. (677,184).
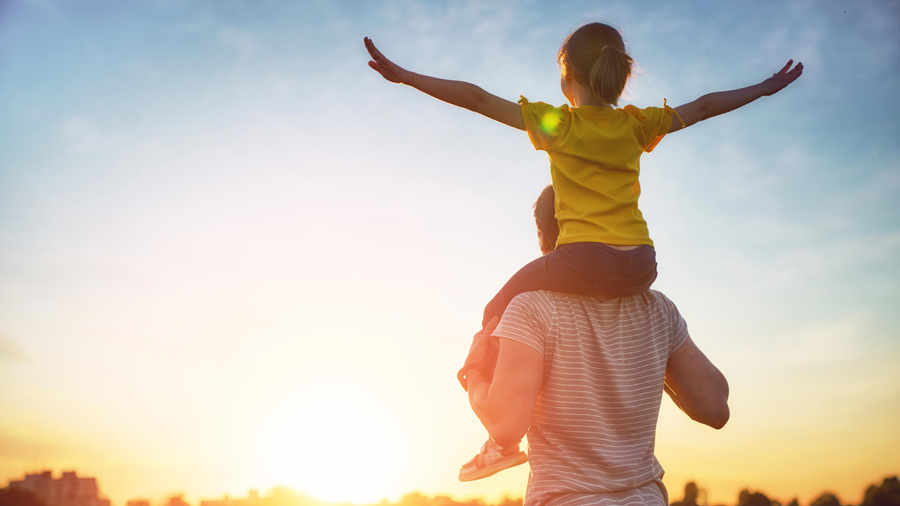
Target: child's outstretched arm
(715,104)
(459,93)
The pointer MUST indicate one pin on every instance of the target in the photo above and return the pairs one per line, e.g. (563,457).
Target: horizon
(232,255)
(279,490)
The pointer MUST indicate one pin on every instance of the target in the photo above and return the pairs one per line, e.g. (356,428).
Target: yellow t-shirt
(594,164)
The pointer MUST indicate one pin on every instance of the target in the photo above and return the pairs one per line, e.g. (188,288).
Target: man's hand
(480,356)
(782,78)
(388,69)
(481,341)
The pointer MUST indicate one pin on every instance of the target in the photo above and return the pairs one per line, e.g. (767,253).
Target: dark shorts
(584,268)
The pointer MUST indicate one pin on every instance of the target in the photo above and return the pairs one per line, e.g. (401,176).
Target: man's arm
(505,404)
(697,386)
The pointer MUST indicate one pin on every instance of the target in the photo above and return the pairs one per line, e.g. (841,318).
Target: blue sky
(210,209)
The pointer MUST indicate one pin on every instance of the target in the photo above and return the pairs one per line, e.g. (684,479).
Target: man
(584,377)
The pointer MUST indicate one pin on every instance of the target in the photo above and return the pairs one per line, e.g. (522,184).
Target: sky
(233,257)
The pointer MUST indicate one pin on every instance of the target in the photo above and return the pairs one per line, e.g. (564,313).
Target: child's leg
(490,460)
(580,268)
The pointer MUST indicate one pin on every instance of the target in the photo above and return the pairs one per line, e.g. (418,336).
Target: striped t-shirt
(591,440)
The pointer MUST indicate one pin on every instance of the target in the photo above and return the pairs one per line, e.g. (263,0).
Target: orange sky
(232,258)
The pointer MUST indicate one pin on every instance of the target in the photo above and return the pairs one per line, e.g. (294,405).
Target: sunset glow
(233,257)
(325,435)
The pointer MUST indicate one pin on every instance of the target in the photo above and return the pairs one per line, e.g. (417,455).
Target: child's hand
(782,78)
(388,69)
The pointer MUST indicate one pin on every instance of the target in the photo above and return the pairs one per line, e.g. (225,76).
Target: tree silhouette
(691,492)
(508,501)
(826,499)
(886,494)
(745,498)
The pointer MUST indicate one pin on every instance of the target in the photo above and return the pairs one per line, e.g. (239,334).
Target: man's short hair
(545,219)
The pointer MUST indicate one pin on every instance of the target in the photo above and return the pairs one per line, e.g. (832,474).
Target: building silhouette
(252,499)
(67,490)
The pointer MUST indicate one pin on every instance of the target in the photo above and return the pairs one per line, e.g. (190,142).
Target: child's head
(594,56)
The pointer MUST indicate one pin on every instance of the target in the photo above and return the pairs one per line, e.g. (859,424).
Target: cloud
(463,36)
(881,19)
(882,187)
(47,6)
(199,24)
(84,135)
(851,357)
(11,352)
(242,41)
(821,263)
(820,344)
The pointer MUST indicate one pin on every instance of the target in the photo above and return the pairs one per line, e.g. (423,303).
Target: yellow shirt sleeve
(544,122)
(655,124)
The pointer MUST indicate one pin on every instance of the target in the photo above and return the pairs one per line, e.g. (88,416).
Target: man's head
(545,219)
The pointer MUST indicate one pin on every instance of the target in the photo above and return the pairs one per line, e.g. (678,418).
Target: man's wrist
(466,369)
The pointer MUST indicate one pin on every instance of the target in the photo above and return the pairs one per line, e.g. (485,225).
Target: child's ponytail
(609,74)
(594,55)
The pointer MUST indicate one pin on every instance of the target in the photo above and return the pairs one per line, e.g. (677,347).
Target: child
(604,247)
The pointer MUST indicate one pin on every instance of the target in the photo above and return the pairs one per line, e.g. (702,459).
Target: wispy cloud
(84,135)
(46,6)
(11,352)
(243,42)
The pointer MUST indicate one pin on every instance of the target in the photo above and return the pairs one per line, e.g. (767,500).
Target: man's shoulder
(660,297)
(537,296)
(540,303)
(648,297)
(638,307)
(647,315)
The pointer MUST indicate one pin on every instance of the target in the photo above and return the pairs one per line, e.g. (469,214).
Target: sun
(330,437)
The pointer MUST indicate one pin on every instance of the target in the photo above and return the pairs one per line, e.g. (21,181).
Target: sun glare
(329,438)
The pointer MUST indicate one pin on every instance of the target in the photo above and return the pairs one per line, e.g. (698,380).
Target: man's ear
(542,242)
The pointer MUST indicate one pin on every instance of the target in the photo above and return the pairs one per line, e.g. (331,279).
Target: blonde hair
(594,55)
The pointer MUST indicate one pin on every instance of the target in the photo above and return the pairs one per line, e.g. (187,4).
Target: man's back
(592,434)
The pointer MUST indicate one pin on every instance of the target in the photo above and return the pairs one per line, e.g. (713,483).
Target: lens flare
(550,120)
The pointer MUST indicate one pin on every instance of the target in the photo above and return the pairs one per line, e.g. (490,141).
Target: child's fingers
(795,72)
(370,47)
(783,69)
(786,67)
(382,65)
(373,51)
(380,57)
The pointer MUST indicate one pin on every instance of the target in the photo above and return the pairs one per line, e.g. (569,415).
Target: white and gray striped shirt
(592,437)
